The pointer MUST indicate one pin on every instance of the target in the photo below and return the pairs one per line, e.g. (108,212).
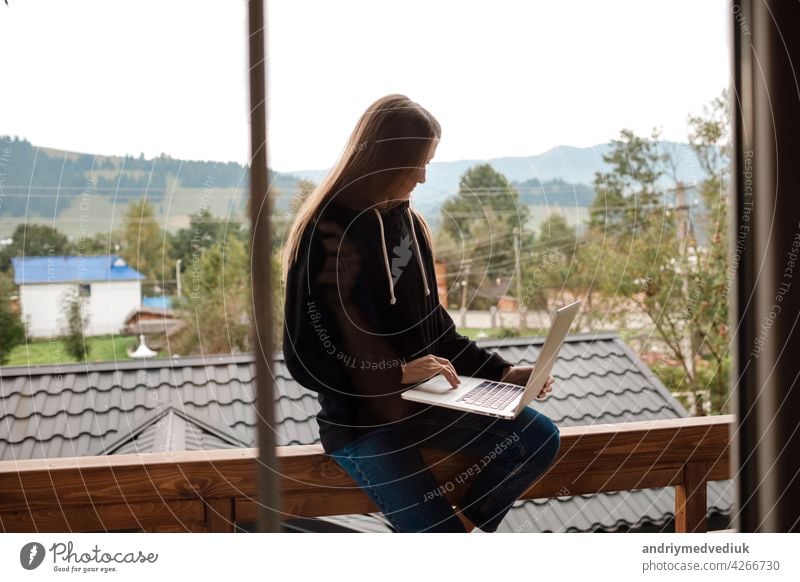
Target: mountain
(567,163)
(86,193)
(562,175)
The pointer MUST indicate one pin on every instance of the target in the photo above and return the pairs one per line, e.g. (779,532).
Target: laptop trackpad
(436,385)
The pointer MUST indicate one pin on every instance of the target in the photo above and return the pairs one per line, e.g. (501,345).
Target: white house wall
(42,307)
(108,304)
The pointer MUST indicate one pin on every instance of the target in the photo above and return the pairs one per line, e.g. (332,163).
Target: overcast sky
(503,78)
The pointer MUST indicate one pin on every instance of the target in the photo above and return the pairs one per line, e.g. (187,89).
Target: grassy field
(101,349)
(472,332)
(110,348)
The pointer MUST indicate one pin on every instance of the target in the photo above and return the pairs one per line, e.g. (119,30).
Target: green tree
(204,231)
(33,240)
(12,330)
(73,328)
(608,264)
(144,244)
(556,233)
(101,243)
(707,306)
(645,264)
(304,190)
(282,222)
(547,269)
(476,235)
(628,191)
(588,277)
(651,260)
(216,304)
(278,298)
(627,217)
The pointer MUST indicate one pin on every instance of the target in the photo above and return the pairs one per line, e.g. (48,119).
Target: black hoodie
(357,307)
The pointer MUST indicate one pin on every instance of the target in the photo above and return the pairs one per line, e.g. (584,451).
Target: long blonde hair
(390,140)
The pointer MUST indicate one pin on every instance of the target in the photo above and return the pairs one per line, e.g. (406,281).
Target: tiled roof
(207,402)
(72,269)
(158,302)
(172,430)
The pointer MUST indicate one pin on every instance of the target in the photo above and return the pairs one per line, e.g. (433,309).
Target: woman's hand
(519,375)
(427,367)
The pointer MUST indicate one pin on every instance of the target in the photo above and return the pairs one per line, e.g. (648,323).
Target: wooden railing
(213,490)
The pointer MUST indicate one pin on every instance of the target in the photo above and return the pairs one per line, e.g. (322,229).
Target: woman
(363,322)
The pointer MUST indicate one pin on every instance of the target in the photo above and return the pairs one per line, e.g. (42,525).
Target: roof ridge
(113,431)
(246,357)
(537,340)
(154,416)
(122,365)
(204,424)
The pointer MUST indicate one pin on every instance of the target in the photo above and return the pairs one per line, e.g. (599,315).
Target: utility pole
(523,323)
(178,275)
(465,284)
(685,340)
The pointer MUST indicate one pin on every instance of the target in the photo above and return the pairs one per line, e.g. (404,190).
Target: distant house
(109,288)
(507,303)
(441,278)
(208,402)
(153,321)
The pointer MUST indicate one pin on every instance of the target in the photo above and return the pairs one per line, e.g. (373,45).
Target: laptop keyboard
(490,394)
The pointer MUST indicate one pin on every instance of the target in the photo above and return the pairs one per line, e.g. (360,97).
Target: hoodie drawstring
(419,252)
(392,298)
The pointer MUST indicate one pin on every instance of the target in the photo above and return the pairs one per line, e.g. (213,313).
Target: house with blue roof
(109,289)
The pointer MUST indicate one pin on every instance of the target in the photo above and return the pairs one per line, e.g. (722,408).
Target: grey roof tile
(599,380)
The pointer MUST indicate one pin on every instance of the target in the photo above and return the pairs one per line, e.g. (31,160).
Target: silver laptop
(500,399)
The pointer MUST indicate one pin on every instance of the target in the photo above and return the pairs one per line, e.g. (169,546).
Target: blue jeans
(387,465)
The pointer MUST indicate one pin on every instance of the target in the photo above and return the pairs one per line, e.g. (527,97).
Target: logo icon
(402,254)
(31,555)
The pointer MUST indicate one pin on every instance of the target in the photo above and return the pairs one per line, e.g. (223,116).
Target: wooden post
(690,499)
(261,264)
(765,297)
(220,515)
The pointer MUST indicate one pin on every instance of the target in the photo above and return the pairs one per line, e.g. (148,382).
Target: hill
(86,193)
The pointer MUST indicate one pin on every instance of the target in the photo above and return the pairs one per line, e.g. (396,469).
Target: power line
(504,190)
(574,243)
(491,190)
